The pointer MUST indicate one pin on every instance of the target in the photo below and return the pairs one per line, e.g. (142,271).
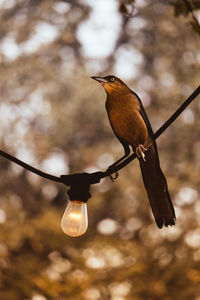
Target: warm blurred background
(52,116)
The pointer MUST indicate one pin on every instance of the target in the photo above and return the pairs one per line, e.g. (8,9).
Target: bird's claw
(114,176)
(140,151)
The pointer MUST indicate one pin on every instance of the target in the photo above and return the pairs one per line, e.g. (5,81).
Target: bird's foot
(140,151)
(115,174)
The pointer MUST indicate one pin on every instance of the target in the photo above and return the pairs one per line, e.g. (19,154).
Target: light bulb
(75,220)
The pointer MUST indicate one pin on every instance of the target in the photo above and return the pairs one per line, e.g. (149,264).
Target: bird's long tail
(157,190)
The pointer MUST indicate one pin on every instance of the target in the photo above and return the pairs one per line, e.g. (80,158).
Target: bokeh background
(52,116)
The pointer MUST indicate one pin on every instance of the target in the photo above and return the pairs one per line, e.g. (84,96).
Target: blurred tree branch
(186,7)
(195,24)
(127,8)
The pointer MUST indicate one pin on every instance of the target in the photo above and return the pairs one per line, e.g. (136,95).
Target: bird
(132,127)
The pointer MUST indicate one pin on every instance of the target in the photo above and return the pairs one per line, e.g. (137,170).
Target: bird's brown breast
(125,118)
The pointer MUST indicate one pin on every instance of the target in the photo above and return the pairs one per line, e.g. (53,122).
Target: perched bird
(131,126)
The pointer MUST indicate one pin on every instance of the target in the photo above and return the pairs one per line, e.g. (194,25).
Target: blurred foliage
(186,7)
(53,117)
(183,7)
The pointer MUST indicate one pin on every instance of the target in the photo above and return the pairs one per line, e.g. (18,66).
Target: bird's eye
(112,79)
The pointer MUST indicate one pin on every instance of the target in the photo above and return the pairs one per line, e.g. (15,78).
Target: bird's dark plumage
(130,124)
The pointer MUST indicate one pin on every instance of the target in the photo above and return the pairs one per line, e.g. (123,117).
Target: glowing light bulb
(75,220)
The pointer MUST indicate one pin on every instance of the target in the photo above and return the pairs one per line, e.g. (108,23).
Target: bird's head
(112,84)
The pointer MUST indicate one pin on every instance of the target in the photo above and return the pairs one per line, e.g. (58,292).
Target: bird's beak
(100,79)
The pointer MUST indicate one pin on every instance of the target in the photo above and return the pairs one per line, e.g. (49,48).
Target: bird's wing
(146,120)
(144,115)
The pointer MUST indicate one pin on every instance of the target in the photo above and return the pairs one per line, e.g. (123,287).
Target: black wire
(28,167)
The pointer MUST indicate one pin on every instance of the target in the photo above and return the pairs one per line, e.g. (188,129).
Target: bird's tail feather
(157,190)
